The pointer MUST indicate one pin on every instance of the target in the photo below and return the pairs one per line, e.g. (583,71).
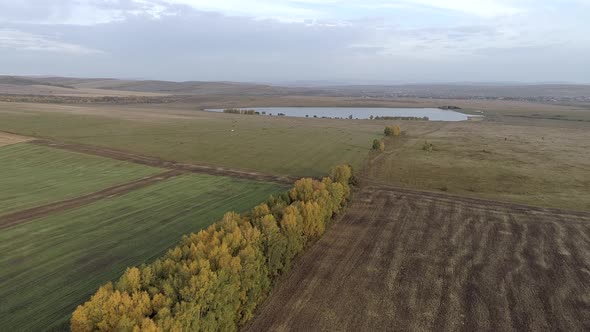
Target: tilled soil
(52,208)
(157,162)
(401,260)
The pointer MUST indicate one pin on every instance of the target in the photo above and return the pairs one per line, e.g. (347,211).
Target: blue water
(433,114)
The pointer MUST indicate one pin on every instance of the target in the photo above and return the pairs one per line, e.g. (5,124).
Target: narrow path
(161,163)
(51,208)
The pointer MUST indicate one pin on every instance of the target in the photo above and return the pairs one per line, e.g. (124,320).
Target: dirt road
(8,139)
(39,211)
(408,261)
(157,162)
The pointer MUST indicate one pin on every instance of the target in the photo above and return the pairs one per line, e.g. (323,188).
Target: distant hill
(105,87)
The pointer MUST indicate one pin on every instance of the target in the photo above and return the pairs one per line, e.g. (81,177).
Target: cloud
(264,40)
(19,40)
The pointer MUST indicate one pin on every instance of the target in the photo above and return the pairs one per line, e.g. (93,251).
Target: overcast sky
(356,41)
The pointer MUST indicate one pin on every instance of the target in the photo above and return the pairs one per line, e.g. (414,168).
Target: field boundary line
(480,202)
(22,216)
(162,163)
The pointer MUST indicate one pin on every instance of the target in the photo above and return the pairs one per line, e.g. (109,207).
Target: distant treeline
(425,118)
(240,111)
(215,279)
(89,100)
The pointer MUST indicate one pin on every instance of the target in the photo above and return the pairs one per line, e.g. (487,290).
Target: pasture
(34,175)
(533,164)
(51,264)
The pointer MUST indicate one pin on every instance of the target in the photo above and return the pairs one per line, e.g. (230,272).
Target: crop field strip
(43,210)
(400,258)
(33,175)
(158,162)
(50,265)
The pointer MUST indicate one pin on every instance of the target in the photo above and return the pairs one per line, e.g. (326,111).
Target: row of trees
(213,280)
(417,118)
(240,111)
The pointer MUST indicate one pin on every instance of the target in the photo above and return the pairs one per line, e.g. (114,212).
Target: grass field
(34,175)
(536,165)
(539,161)
(264,144)
(50,265)
(402,260)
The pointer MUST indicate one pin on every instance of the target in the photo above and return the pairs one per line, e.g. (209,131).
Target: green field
(282,146)
(50,265)
(35,175)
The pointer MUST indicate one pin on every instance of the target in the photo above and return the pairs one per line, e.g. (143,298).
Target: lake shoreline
(356,113)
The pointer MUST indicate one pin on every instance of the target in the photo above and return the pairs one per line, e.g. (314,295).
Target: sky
(351,41)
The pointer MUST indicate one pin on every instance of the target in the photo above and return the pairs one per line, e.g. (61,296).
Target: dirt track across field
(40,211)
(8,139)
(157,162)
(412,261)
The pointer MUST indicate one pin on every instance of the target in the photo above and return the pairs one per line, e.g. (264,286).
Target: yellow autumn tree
(392,130)
(213,280)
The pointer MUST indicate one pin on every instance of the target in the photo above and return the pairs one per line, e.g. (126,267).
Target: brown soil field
(40,211)
(158,162)
(414,261)
(8,139)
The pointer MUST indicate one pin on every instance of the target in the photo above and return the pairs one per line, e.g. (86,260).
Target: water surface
(433,114)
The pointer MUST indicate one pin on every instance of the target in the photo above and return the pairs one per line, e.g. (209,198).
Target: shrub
(428,147)
(392,131)
(213,280)
(378,145)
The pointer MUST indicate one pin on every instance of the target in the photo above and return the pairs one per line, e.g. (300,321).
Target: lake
(433,114)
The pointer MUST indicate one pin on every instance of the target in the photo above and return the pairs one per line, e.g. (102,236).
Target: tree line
(240,111)
(214,279)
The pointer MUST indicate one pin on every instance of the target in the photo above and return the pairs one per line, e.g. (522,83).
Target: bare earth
(8,139)
(413,261)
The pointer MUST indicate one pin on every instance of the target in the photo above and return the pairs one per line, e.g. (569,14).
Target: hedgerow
(214,280)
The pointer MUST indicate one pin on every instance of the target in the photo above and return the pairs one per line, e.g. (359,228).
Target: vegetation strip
(40,211)
(158,162)
(214,280)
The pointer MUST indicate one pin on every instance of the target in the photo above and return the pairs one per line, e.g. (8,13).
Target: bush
(378,145)
(213,280)
(392,131)
(428,147)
